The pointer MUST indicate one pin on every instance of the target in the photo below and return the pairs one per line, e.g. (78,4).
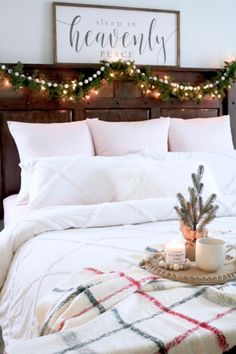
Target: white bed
(41,262)
(98,215)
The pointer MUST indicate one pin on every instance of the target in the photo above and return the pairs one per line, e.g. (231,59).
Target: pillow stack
(59,166)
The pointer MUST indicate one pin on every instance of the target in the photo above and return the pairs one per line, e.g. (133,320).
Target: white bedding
(70,238)
(13,212)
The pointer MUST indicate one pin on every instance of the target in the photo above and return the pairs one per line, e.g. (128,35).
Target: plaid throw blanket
(132,311)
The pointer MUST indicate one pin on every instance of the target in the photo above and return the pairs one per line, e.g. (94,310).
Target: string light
(6,83)
(74,90)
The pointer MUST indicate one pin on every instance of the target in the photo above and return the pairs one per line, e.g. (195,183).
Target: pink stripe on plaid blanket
(220,336)
(133,283)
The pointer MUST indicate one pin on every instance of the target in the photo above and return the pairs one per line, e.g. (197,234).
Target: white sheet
(39,263)
(13,212)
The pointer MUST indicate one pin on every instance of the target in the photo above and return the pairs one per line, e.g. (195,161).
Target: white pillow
(148,179)
(120,138)
(72,180)
(222,164)
(49,139)
(93,180)
(200,134)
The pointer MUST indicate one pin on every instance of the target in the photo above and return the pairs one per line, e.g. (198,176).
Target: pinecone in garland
(195,214)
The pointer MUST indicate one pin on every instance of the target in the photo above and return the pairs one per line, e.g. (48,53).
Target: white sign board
(87,34)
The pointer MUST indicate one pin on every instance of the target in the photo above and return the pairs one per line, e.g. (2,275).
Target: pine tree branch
(195,213)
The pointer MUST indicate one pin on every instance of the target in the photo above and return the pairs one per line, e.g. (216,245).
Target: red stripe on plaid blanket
(135,282)
(132,283)
(220,336)
(223,344)
(122,274)
(94,270)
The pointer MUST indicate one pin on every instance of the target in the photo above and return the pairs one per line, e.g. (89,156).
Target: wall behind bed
(208,29)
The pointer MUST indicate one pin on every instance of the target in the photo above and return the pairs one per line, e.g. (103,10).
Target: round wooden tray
(194,275)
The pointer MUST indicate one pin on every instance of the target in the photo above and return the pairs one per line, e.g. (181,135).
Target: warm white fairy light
(6,83)
(179,90)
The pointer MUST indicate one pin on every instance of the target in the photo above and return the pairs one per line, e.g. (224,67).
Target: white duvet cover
(52,243)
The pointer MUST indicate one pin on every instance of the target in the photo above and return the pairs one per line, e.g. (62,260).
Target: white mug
(210,254)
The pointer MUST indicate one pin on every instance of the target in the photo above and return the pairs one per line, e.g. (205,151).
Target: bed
(70,275)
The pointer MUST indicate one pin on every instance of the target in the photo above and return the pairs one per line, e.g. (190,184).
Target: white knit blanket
(132,311)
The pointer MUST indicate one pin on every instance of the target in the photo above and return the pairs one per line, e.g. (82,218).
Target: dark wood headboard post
(119,101)
(232,109)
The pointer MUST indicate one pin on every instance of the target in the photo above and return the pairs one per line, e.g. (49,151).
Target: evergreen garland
(82,86)
(195,213)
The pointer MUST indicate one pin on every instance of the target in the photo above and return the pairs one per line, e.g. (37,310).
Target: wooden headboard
(119,101)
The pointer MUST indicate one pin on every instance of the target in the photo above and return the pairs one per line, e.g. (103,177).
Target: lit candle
(175,252)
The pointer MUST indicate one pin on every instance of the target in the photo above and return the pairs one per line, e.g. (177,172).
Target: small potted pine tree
(195,214)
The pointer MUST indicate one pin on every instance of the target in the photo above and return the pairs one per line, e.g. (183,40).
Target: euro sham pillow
(200,134)
(93,180)
(146,179)
(120,138)
(72,180)
(222,164)
(49,139)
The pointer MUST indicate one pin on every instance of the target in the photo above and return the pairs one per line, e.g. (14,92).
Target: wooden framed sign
(87,34)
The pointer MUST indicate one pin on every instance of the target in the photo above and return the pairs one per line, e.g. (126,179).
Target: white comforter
(69,238)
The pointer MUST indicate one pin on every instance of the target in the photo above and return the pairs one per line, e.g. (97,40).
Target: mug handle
(228,249)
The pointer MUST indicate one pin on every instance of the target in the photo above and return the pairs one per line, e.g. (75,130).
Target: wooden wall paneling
(189,113)
(127,90)
(1,175)
(232,109)
(119,115)
(106,90)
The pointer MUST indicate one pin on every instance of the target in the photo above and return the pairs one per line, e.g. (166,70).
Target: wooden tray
(194,275)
